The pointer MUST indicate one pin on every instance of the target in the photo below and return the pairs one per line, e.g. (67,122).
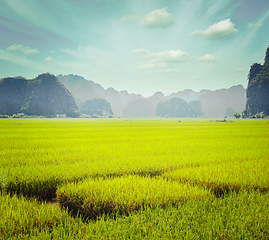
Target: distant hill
(38,96)
(258,88)
(139,108)
(215,103)
(124,104)
(187,94)
(44,95)
(81,88)
(84,90)
(97,106)
(175,107)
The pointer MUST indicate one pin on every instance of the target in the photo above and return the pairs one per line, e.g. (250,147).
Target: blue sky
(141,46)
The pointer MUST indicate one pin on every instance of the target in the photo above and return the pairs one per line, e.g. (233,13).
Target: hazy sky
(143,46)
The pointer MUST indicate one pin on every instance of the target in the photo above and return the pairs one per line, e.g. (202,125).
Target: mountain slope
(44,95)
(258,88)
(215,103)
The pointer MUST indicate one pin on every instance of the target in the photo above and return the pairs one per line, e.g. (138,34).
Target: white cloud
(173,56)
(14,47)
(207,58)
(20,60)
(25,50)
(28,51)
(155,19)
(140,51)
(218,31)
(162,61)
(254,25)
(52,51)
(49,59)
(253,28)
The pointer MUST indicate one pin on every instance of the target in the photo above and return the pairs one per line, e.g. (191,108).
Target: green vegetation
(237,115)
(44,95)
(225,177)
(187,179)
(236,216)
(94,198)
(21,216)
(177,107)
(99,107)
(258,88)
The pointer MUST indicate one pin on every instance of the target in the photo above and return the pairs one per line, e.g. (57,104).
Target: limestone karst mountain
(21,95)
(84,90)
(43,95)
(213,103)
(258,88)
(175,107)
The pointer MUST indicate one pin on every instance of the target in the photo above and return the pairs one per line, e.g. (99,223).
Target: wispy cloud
(14,47)
(253,27)
(28,51)
(25,50)
(158,18)
(162,61)
(256,25)
(207,58)
(218,31)
(48,59)
(20,60)
(129,18)
(141,51)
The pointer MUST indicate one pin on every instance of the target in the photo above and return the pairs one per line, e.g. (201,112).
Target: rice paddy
(134,178)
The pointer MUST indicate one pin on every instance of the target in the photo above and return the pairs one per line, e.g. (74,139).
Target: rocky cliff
(258,88)
(44,95)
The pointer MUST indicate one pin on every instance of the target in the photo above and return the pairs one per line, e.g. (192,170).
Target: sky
(142,46)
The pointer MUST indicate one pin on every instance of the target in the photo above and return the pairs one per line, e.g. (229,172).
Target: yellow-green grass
(38,155)
(123,195)
(227,176)
(21,216)
(235,216)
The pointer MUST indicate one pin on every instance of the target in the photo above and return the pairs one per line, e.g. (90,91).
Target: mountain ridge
(43,95)
(120,100)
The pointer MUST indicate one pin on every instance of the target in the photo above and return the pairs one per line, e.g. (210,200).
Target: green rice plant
(93,198)
(38,155)
(235,216)
(225,177)
(21,216)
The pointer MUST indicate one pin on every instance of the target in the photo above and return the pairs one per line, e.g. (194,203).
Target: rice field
(134,178)
(123,195)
